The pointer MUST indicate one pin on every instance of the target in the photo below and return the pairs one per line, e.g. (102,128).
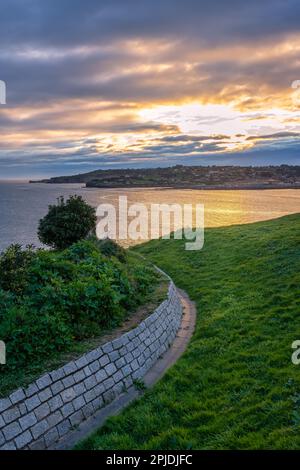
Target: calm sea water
(23,204)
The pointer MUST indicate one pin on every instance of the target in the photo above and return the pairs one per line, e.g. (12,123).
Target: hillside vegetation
(51,301)
(235,387)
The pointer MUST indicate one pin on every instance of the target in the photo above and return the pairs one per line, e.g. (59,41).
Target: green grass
(235,387)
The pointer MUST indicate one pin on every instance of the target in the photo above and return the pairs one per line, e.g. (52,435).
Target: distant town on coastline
(193,177)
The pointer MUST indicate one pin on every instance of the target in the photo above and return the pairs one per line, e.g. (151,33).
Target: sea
(22,205)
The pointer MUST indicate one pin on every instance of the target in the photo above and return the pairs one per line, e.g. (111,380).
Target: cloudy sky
(136,83)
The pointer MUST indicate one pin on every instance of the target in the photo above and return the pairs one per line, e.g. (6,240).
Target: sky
(138,83)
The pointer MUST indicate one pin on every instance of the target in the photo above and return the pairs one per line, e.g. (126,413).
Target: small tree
(67,222)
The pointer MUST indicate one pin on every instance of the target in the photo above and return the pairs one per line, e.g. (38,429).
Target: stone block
(70,368)
(68,395)
(38,445)
(79,389)
(12,430)
(76,418)
(100,375)
(90,382)
(110,369)
(79,376)
(107,348)
(114,355)
(108,383)
(17,396)
(23,439)
(126,370)
(55,403)
(94,355)
(57,387)
(78,403)
(39,429)
(51,437)
(42,411)
(5,403)
(120,363)
(32,403)
(67,410)
(57,374)
(104,360)
(134,365)
(98,403)
(54,419)
(68,381)
(94,366)
(118,376)
(11,414)
(43,382)
(81,362)
(63,427)
(8,446)
(28,421)
(117,343)
(88,410)
(45,394)
(90,396)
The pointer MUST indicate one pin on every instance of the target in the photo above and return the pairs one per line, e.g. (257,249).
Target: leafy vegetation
(235,387)
(52,300)
(111,248)
(67,222)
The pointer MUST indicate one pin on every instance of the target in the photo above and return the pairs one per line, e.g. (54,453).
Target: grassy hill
(235,387)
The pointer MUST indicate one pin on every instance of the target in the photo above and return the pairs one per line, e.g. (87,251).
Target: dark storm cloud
(25,164)
(71,22)
(64,25)
(62,59)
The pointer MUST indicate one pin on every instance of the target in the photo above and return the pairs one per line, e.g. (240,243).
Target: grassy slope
(235,387)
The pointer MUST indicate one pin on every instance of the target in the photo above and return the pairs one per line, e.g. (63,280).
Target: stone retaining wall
(49,408)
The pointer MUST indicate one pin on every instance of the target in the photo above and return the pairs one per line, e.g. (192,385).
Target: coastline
(231,187)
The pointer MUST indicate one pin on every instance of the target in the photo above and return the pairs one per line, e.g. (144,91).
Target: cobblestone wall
(49,408)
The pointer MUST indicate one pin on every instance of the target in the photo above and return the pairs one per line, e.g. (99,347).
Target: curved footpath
(66,405)
(156,372)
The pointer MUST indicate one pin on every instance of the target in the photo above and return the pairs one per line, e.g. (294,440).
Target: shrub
(7,300)
(66,296)
(14,263)
(110,248)
(30,337)
(67,222)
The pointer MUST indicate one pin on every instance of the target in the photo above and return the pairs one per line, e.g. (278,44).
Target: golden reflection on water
(221,207)
(22,205)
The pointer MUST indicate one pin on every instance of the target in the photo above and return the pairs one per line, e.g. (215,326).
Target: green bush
(110,248)
(31,336)
(64,297)
(67,222)
(13,267)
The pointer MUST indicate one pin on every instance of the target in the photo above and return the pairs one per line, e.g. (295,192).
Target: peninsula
(189,177)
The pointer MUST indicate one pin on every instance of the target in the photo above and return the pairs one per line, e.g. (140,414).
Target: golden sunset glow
(177,94)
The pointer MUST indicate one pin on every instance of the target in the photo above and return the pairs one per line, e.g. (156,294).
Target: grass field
(235,387)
